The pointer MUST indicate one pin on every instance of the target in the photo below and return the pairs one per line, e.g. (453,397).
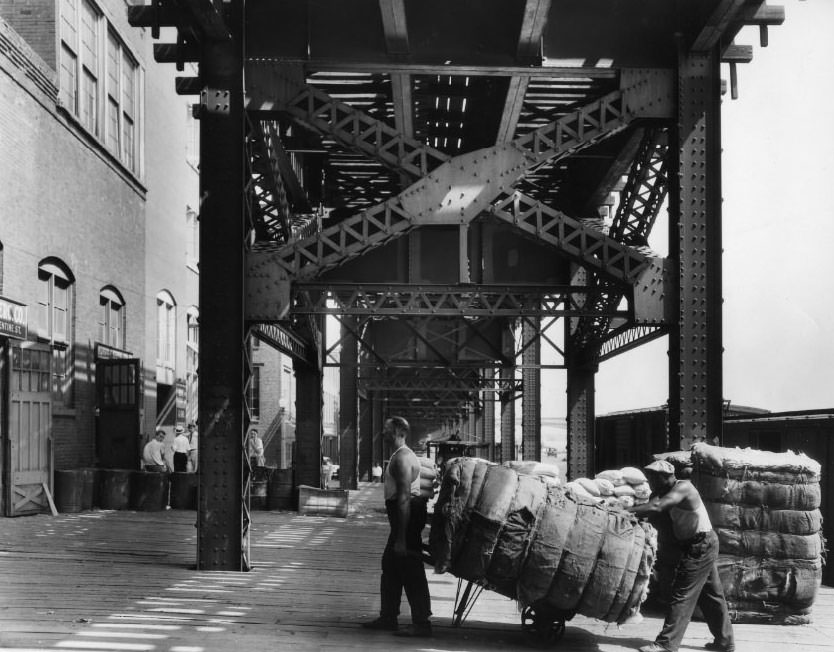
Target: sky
(778,234)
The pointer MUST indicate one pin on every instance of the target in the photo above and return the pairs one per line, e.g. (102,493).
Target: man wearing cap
(180,448)
(696,575)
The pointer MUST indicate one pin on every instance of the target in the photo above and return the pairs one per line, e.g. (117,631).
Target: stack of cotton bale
(765,509)
(518,532)
(624,487)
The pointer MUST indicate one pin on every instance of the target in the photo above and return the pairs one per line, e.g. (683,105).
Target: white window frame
(166,331)
(55,282)
(112,318)
(85,66)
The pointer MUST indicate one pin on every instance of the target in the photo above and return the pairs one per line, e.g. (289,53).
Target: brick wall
(62,196)
(34,21)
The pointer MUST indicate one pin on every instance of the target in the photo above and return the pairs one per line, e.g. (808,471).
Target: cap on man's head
(179,429)
(661,466)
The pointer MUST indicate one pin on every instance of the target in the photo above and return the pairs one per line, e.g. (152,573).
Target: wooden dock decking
(122,581)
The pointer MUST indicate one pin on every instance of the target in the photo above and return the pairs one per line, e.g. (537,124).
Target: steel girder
(453,192)
(444,383)
(695,349)
(640,201)
(443,300)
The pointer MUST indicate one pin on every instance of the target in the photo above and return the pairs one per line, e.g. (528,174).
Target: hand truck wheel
(540,630)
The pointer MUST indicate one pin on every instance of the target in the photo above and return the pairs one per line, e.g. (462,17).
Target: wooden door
(29,465)
(119,389)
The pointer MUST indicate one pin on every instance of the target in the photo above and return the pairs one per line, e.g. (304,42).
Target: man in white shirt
(180,447)
(152,453)
(193,439)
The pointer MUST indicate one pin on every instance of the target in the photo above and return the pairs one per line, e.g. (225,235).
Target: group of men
(696,579)
(180,456)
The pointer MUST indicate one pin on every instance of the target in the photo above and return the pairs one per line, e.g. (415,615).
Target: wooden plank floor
(122,581)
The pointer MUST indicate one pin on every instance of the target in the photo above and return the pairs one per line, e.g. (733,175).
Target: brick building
(98,233)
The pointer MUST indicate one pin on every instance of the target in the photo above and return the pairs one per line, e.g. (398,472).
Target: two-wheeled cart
(542,625)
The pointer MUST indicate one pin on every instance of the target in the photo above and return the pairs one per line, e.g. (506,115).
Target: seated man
(152,453)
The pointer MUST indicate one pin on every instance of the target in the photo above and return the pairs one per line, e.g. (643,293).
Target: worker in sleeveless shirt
(696,575)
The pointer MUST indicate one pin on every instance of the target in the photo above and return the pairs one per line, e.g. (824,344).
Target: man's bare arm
(659,504)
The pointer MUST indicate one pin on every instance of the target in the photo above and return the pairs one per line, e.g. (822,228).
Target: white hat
(661,466)
(179,429)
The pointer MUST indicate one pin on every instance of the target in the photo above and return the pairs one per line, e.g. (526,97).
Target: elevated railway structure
(456,184)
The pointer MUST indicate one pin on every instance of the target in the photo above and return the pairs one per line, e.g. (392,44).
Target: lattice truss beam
(452,190)
(445,300)
(641,200)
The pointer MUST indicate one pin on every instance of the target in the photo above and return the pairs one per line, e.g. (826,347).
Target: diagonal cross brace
(586,245)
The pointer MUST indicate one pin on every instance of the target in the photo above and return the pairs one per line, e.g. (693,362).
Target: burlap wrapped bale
(790,583)
(802,497)
(765,508)
(760,517)
(531,540)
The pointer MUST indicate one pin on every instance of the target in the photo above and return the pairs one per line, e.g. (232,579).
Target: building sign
(13,319)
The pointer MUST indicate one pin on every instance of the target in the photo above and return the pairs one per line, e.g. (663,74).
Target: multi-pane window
(111,318)
(99,79)
(253,396)
(192,224)
(54,323)
(191,361)
(54,302)
(166,328)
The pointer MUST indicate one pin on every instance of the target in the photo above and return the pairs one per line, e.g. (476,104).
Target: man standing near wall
(402,559)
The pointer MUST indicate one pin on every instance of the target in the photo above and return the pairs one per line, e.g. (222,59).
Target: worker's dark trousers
(405,572)
(697,581)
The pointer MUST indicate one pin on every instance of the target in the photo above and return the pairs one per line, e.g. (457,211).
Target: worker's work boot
(384,624)
(654,647)
(721,646)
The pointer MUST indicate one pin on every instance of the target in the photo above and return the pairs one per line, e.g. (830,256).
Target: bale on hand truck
(556,552)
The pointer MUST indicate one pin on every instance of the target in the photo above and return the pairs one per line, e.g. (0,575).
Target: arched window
(166,330)
(54,322)
(191,361)
(111,318)
(54,318)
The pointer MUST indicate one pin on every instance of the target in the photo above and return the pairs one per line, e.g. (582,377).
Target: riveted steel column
(309,404)
(366,436)
(507,398)
(580,418)
(348,404)
(222,534)
(489,412)
(695,346)
(531,407)
(376,426)
(580,391)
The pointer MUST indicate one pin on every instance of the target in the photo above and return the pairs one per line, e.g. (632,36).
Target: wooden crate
(322,502)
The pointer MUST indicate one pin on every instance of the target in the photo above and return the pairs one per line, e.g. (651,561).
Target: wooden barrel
(184,490)
(148,491)
(282,494)
(115,488)
(69,489)
(259,487)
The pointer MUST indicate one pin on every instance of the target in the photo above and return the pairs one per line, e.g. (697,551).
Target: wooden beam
(390,65)
(763,14)
(512,108)
(737,54)
(401,96)
(395,26)
(532,27)
(724,15)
